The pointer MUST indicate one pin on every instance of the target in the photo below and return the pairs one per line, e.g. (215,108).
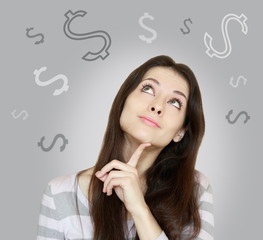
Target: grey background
(230,155)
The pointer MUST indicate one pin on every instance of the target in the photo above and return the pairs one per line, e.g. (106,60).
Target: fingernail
(147,144)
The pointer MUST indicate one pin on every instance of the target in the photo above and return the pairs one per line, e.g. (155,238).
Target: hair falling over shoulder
(171,184)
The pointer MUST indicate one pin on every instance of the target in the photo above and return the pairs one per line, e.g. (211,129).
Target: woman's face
(155,111)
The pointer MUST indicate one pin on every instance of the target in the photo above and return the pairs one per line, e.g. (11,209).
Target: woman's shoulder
(202,179)
(84,179)
(203,182)
(69,182)
(62,183)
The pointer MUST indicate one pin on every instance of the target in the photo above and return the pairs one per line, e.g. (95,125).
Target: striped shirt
(64,212)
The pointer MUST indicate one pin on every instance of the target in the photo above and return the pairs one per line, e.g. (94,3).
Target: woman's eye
(177,103)
(147,89)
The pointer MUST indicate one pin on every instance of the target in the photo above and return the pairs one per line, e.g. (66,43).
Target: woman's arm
(147,226)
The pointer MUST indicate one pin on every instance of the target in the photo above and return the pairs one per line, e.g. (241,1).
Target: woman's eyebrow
(175,91)
(180,93)
(154,80)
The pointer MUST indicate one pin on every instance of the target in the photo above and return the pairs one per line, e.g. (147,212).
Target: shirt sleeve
(49,225)
(206,211)
(162,236)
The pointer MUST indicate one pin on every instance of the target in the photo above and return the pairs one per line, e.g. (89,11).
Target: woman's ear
(179,135)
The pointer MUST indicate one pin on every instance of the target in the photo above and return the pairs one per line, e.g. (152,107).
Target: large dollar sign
(46,149)
(62,77)
(237,117)
(36,35)
(90,56)
(154,34)
(211,52)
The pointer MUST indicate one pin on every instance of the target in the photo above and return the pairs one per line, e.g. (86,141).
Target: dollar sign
(36,35)
(185,23)
(90,56)
(208,39)
(237,117)
(237,82)
(46,149)
(57,92)
(154,34)
(20,114)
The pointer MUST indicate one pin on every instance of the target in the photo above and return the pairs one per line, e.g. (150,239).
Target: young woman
(144,184)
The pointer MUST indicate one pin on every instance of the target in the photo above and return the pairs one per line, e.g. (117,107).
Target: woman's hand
(124,179)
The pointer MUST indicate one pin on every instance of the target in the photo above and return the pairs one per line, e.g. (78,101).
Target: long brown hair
(172,189)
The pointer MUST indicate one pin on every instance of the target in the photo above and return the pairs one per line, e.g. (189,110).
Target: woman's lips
(149,121)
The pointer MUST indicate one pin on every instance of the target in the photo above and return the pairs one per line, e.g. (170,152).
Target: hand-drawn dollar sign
(36,35)
(236,118)
(20,114)
(185,23)
(62,77)
(236,84)
(46,149)
(154,34)
(90,56)
(211,52)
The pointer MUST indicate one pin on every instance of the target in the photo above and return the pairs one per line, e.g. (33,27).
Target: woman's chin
(145,138)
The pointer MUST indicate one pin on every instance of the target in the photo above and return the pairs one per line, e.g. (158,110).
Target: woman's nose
(156,109)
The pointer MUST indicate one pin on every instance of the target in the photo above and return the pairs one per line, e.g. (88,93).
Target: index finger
(136,155)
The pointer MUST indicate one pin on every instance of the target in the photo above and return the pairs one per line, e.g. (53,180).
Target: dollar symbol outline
(64,88)
(36,35)
(20,114)
(188,29)
(90,56)
(237,117)
(211,52)
(46,149)
(154,34)
(235,85)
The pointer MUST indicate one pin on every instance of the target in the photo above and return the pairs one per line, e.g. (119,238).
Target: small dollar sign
(237,117)
(46,149)
(36,35)
(154,34)
(90,56)
(57,92)
(211,52)
(235,85)
(185,23)
(20,114)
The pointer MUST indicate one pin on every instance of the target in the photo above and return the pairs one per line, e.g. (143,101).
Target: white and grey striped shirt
(64,212)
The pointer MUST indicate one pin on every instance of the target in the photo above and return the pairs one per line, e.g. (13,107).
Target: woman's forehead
(167,77)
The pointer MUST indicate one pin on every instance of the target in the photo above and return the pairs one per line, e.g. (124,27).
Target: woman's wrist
(140,211)
(144,219)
